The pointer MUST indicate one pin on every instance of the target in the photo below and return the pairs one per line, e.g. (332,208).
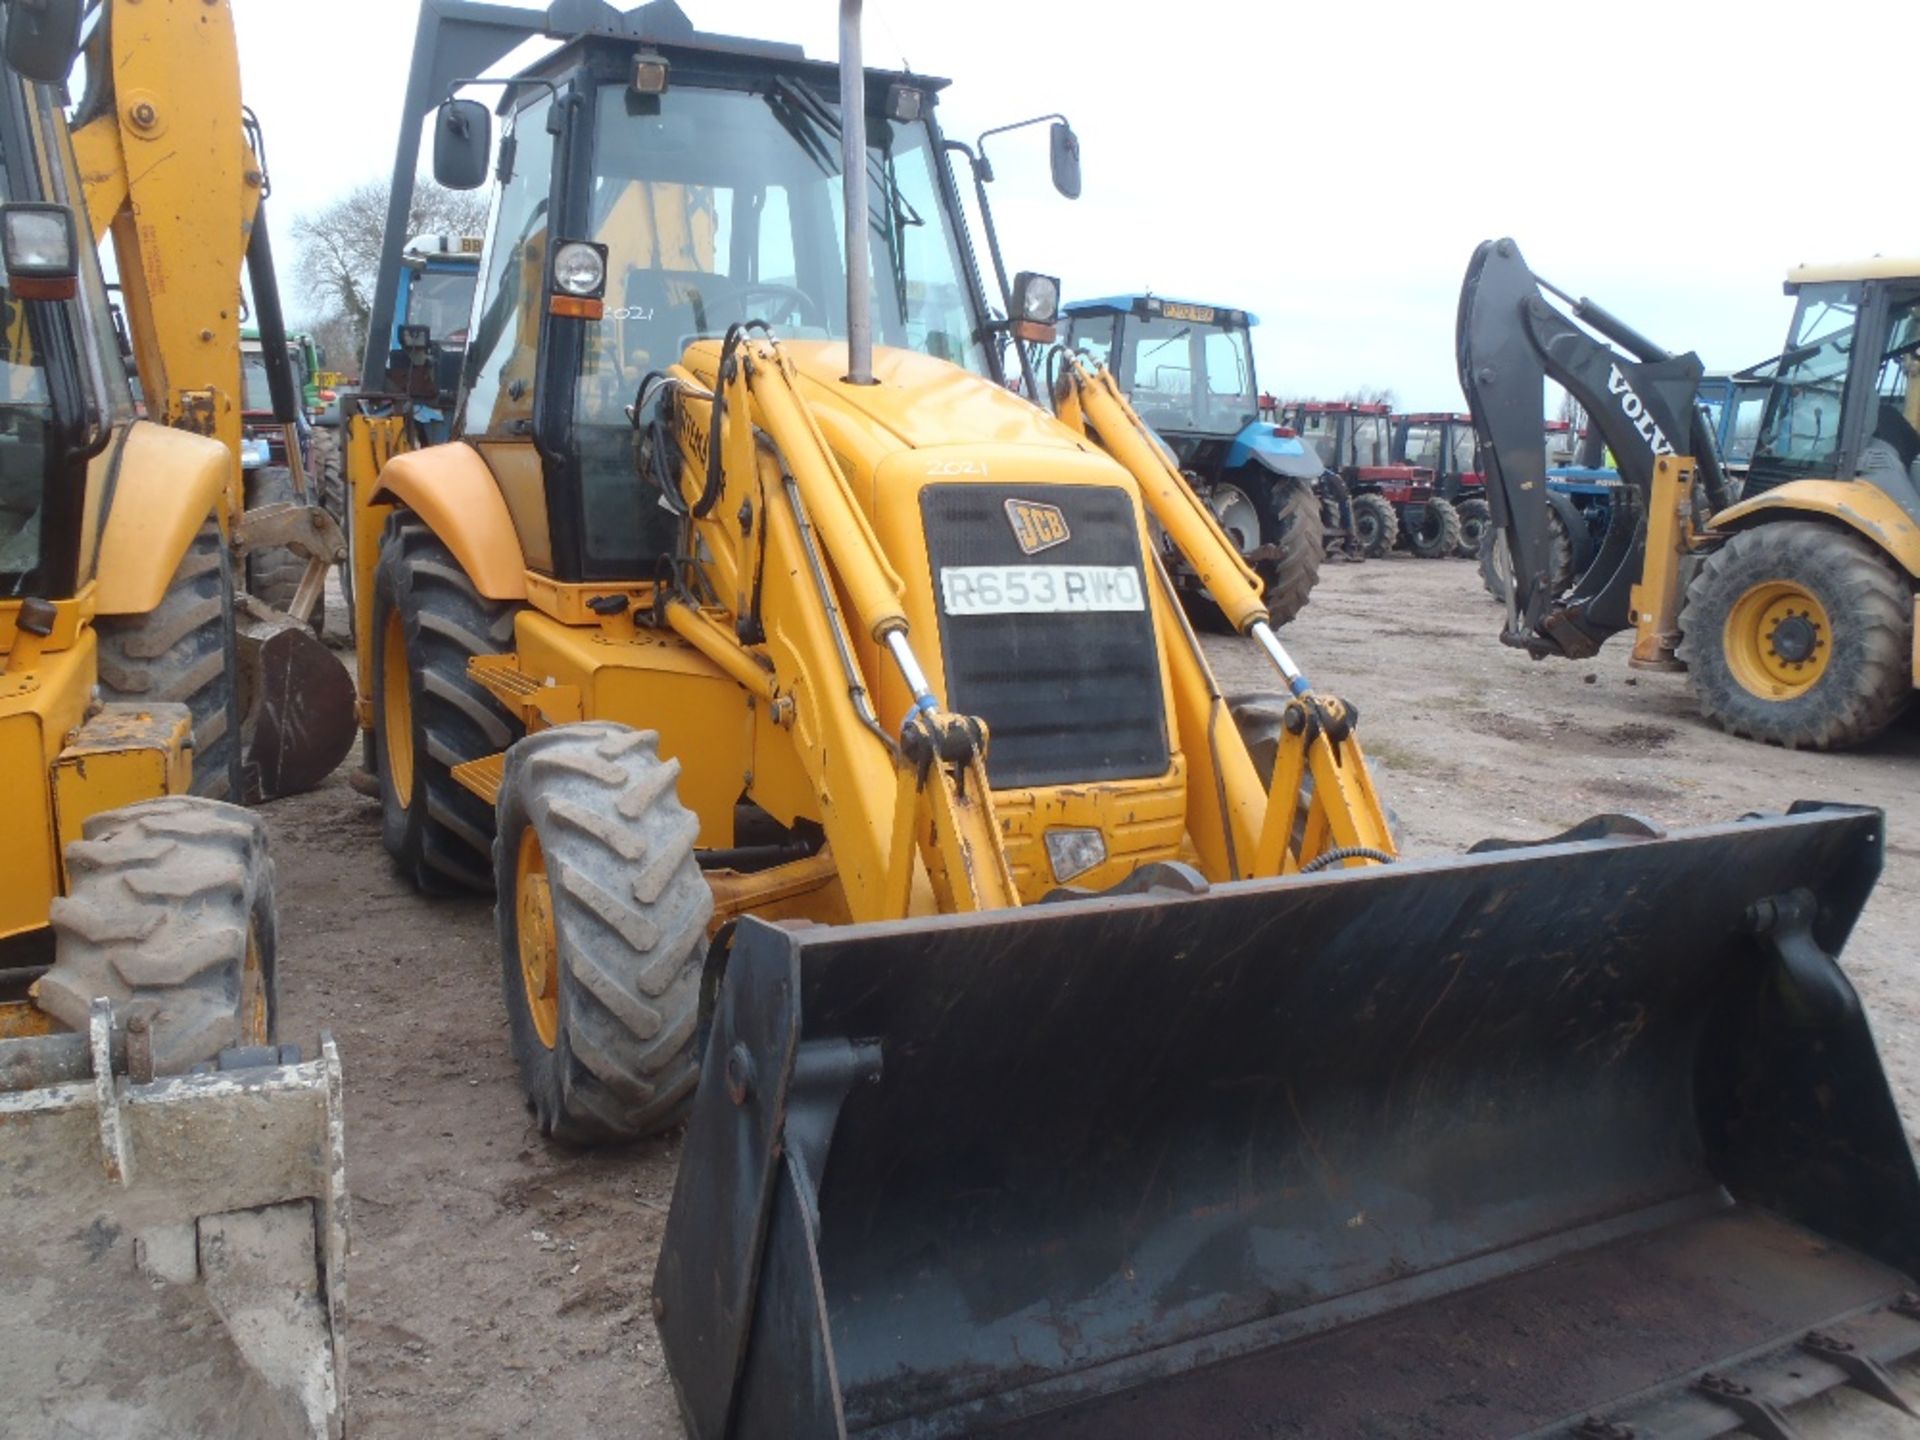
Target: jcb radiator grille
(1066,672)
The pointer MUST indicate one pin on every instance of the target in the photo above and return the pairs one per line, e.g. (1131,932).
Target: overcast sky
(1328,166)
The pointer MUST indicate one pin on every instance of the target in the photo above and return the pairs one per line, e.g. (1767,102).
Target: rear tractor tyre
(1800,635)
(1376,529)
(602,914)
(1496,560)
(184,652)
(1476,518)
(1293,523)
(1437,536)
(169,915)
(428,621)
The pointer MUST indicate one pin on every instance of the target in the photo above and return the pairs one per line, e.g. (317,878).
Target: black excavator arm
(1508,342)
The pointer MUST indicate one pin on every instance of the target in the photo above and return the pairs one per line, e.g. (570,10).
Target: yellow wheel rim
(539,948)
(396,710)
(1778,640)
(253,995)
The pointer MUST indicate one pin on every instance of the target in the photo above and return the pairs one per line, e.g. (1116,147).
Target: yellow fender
(167,483)
(451,489)
(1856,504)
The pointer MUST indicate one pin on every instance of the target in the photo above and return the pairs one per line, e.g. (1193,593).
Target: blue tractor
(1188,370)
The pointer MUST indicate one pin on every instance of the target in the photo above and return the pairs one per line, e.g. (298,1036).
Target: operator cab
(661,187)
(1442,443)
(1187,368)
(1840,403)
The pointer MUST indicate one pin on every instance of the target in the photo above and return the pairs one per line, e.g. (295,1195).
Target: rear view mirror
(43,38)
(462,141)
(1065,148)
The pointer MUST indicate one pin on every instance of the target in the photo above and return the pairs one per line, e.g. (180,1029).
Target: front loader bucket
(172,1251)
(1484,1147)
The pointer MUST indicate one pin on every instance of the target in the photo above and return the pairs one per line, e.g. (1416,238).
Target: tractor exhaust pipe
(853,169)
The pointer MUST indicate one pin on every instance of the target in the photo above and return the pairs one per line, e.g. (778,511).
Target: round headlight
(579,269)
(1040,301)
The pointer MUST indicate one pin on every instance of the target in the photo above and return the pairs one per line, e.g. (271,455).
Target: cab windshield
(441,300)
(726,206)
(1371,445)
(1466,459)
(1424,445)
(1188,378)
(1800,433)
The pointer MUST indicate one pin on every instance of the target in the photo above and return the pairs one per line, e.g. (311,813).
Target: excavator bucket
(172,1250)
(297,705)
(1586,1138)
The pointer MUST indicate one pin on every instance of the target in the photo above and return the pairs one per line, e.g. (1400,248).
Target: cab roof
(663,26)
(1879,267)
(1149,303)
(1437,417)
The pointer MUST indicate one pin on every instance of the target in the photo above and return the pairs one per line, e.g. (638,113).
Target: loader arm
(1509,341)
(752,446)
(1343,815)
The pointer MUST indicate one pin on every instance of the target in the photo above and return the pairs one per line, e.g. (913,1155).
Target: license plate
(1040,589)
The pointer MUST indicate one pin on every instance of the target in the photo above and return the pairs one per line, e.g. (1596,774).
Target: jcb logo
(1037,527)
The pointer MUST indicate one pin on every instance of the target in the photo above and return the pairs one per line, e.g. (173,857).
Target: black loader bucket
(1537,1142)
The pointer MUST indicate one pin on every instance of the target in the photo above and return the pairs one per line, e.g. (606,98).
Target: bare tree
(1372,395)
(340,250)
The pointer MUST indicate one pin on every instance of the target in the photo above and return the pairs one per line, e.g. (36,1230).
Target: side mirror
(43,38)
(462,141)
(1065,157)
(40,247)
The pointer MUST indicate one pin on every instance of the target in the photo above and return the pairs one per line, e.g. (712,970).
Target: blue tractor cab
(1187,368)
(432,311)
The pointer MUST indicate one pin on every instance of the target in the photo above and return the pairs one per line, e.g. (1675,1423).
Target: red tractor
(1444,443)
(1392,504)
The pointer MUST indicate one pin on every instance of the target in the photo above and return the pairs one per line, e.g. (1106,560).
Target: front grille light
(1074,852)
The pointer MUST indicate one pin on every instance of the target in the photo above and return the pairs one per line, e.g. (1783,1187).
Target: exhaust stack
(853,169)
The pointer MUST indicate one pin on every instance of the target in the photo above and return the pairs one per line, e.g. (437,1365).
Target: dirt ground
(499,1286)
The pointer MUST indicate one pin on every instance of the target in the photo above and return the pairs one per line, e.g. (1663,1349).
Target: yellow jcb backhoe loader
(175,173)
(1056,1058)
(1792,607)
(172,1202)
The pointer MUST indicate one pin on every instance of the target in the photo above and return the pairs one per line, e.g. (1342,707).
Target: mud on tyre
(428,621)
(602,915)
(169,914)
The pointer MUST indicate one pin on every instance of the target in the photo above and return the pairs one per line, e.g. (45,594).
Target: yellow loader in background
(175,175)
(172,1197)
(1792,605)
(1063,1046)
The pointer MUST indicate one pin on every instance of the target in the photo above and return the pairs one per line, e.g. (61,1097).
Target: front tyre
(602,915)
(1476,518)
(169,913)
(1436,536)
(1376,529)
(1798,634)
